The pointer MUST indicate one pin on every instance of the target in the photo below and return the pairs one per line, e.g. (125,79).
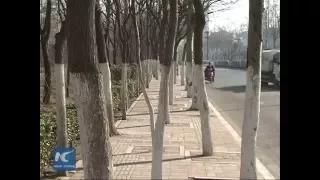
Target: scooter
(209,75)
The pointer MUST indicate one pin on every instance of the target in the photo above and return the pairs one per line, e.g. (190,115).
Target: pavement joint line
(261,168)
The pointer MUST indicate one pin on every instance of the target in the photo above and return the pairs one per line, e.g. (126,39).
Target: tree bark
(124,74)
(253,89)
(105,71)
(163,106)
(123,90)
(189,51)
(198,60)
(89,95)
(171,79)
(138,52)
(175,53)
(183,60)
(45,34)
(62,128)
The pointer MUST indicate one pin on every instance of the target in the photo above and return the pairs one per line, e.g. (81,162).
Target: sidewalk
(182,143)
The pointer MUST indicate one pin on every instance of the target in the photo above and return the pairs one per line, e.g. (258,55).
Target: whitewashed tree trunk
(62,135)
(195,98)
(249,126)
(88,90)
(177,68)
(204,112)
(171,79)
(175,71)
(147,73)
(162,117)
(106,76)
(157,69)
(253,89)
(92,145)
(124,90)
(138,52)
(188,79)
(138,80)
(182,73)
(183,60)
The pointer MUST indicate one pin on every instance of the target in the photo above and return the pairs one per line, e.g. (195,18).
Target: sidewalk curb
(260,167)
(130,109)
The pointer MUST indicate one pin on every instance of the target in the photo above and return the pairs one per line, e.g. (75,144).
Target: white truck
(270,68)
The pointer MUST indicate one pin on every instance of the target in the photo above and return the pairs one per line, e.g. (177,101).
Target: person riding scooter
(210,68)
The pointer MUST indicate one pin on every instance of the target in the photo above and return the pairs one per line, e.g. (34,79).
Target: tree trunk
(147,73)
(198,69)
(123,90)
(157,62)
(162,117)
(62,128)
(183,65)
(105,71)
(189,51)
(47,73)
(138,52)
(177,68)
(171,79)
(138,80)
(68,80)
(195,98)
(89,95)
(163,106)
(253,89)
(175,63)
(45,34)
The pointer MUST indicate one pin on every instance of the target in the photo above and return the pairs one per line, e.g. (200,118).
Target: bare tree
(163,114)
(124,37)
(274,16)
(253,89)
(45,34)
(62,131)
(189,60)
(138,52)
(87,81)
(198,70)
(181,33)
(105,70)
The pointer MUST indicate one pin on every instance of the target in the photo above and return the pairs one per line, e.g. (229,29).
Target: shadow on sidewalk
(157,113)
(164,160)
(133,127)
(143,152)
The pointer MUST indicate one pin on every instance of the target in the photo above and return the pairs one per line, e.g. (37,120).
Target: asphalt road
(227,94)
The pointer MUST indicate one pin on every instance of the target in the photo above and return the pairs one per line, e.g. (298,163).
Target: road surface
(227,94)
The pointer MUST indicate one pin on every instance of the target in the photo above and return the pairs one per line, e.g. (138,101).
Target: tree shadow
(164,160)
(157,112)
(143,152)
(242,89)
(133,127)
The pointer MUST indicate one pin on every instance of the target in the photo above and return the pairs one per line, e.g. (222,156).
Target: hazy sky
(233,18)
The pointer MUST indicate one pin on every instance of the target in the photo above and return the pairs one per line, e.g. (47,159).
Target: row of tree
(85,26)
